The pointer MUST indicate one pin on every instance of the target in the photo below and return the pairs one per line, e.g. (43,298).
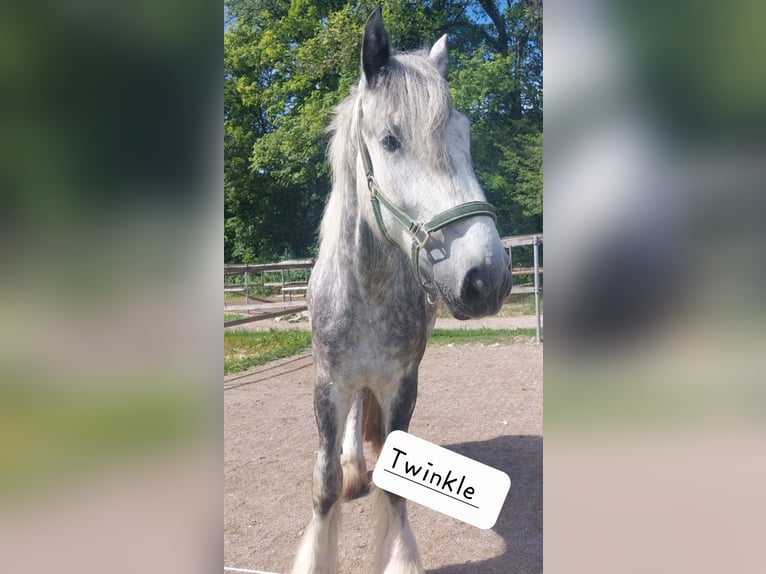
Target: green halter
(420,232)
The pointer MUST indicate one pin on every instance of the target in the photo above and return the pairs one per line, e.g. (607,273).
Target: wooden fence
(535,240)
(254,275)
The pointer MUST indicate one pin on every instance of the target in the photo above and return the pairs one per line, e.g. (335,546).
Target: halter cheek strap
(419,232)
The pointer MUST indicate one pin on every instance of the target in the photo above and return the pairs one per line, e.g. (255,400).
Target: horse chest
(383,347)
(367,332)
(372,345)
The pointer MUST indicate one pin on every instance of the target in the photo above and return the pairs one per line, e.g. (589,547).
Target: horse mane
(411,100)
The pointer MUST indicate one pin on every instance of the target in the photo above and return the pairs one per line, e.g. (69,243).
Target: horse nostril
(476,285)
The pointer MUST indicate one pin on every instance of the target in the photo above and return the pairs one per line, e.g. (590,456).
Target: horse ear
(376,49)
(440,55)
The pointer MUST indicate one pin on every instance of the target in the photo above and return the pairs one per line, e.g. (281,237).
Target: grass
(478,336)
(232,316)
(519,305)
(246,349)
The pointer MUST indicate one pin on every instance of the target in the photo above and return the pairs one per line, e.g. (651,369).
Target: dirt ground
(485,402)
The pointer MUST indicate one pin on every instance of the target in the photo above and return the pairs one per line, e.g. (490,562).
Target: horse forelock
(412,101)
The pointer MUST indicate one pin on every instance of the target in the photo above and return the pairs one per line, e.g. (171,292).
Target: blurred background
(111,242)
(654,178)
(111,211)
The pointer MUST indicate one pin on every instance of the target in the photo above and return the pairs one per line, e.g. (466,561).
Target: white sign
(440,479)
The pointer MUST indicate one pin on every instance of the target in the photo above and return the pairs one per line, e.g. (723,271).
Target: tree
(287,65)
(499,87)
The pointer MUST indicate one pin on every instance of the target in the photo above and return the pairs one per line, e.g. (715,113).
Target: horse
(406,223)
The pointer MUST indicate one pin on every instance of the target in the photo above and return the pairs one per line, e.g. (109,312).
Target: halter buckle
(420,236)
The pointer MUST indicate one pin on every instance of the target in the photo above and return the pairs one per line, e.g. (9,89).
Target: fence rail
(520,240)
(266,309)
(288,288)
(239,269)
(535,240)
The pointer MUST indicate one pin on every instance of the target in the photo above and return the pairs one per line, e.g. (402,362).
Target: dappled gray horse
(406,222)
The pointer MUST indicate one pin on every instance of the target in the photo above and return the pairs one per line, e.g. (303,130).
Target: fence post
(247,295)
(535,244)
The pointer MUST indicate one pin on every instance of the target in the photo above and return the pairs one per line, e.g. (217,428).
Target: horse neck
(367,261)
(351,242)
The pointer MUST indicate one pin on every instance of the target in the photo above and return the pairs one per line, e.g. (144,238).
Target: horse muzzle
(484,290)
(481,292)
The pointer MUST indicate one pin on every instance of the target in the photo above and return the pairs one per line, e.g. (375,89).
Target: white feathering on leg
(318,550)
(396,549)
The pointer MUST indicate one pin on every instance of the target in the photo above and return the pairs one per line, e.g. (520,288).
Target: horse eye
(390,143)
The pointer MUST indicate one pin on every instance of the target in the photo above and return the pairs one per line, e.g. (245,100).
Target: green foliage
(286,65)
(507,150)
(246,349)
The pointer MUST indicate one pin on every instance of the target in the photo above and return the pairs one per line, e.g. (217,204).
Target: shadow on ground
(520,523)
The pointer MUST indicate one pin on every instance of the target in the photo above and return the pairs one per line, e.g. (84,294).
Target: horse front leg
(396,549)
(318,550)
(355,480)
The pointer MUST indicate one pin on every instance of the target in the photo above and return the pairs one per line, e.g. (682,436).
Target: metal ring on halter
(418,239)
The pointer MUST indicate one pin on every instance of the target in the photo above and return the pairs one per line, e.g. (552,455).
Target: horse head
(414,167)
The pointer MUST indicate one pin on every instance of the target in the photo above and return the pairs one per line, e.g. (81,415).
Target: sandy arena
(485,402)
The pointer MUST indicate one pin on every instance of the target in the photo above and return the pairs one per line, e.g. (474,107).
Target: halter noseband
(420,232)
